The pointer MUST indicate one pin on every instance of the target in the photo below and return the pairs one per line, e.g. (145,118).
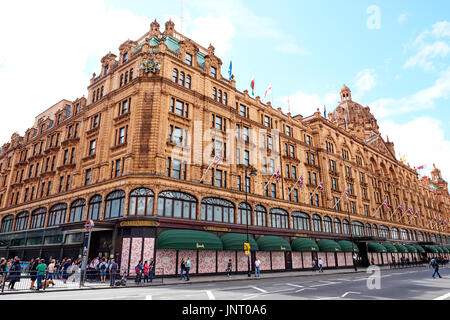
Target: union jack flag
(385,203)
(347,192)
(217,159)
(401,208)
(435,218)
(411,211)
(300,182)
(321,187)
(277,175)
(418,213)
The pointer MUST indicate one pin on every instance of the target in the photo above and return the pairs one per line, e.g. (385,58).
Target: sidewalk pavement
(70,286)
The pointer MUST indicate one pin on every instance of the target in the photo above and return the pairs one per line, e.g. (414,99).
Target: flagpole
(293,187)
(335,206)
(393,214)
(310,197)
(269,181)
(402,215)
(209,167)
(380,206)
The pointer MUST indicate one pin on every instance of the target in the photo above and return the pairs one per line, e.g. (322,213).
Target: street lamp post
(351,234)
(247,186)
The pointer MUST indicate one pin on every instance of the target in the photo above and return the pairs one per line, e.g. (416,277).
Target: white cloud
(424,58)
(365,80)
(45,48)
(306,104)
(421,100)
(441,29)
(402,18)
(422,141)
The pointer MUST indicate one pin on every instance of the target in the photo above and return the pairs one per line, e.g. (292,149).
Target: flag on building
(418,212)
(321,187)
(217,159)
(252,85)
(401,208)
(268,90)
(345,123)
(277,175)
(289,106)
(421,167)
(300,182)
(230,70)
(347,192)
(386,205)
(411,211)
(325,111)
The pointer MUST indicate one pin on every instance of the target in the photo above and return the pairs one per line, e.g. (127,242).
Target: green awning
(273,243)
(419,248)
(376,247)
(439,249)
(431,249)
(304,245)
(410,248)
(235,241)
(401,248)
(445,250)
(188,240)
(390,247)
(326,245)
(348,246)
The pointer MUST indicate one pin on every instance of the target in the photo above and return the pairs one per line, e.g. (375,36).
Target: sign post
(87,242)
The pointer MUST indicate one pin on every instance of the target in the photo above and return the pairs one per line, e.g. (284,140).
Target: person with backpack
(229,267)
(138,269)
(113,267)
(146,269)
(103,268)
(188,268)
(151,270)
(435,266)
(14,273)
(33,271)
(65,270)
(182,268)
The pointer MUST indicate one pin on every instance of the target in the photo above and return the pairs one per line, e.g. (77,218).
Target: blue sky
(394,56)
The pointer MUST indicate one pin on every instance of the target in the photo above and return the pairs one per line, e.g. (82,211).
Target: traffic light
(247,248)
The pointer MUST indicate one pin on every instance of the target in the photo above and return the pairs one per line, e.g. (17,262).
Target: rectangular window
(247,184)
(291,151)
(218,178)
(72,154)
(273,190)
(95,122)
(87,179)
(124,108)
(49,187)
(308,140)
(179,108)
(242,110)
(287,172)
(294,173)
(169,163)
(117,169)
(267,121)
(188,59)
(288,131)
(177,136)
(239,186)
(247,158)
(213,72)
(92,147)
(245,134)
(176,170)
(295,195)
(121,135)
(66,154)
(238,156)
(61,181)
(68,183)
(270,142)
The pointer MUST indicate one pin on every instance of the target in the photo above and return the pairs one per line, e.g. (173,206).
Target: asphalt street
(401,284)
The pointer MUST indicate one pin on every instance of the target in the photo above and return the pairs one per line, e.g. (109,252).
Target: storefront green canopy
(411,249)
(390,247)
(445,250)
(235,241)
(188,240)
(348,246)
(376,247)
(401,248)
(419,248)
(304,245)
(273,243)
(431,249)
(326,245)
(439,249)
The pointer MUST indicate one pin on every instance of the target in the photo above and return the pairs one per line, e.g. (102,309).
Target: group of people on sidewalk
(147,270)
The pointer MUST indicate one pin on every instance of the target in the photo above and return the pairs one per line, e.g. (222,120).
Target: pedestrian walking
(138,269)
(14,273)
(182,268)
(257,267)
(103,266)
(33,271)
(51,270)
(188,268)
(146,269)
(229,267)
(320,263)
(313,264)
(3,272)
(65,270)
(41,268)
(435,265)
(113,267)
(355,260)
(151,270)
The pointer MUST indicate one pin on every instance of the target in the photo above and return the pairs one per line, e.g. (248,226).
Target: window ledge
(122,118)
(119,146)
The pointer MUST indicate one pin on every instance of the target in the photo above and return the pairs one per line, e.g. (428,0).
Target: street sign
(89,224)
(247,248)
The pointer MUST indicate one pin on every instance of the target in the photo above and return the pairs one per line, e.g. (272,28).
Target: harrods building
(164,152)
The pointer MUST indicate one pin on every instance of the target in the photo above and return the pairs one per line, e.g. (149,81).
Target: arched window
(114,204)
(175,76)
(301,221)
(141,202)
(345,227)
(404,234)
(188,81)
(433,238)
(384,232)
(244,213)
(327,225)
(214,94)
(22,221)
(375,230)
(57,215)
(317,223)
(218,210)
(357,228)
(261,216)
(95,208)
(182,79)
(225,98)
(177,205)
(7,224)
(337,225)
(77,210)
(38,218)
(279,218)
(220,96)
(394,233)
(368,230)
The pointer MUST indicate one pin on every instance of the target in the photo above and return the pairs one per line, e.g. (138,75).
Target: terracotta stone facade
(153,122)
